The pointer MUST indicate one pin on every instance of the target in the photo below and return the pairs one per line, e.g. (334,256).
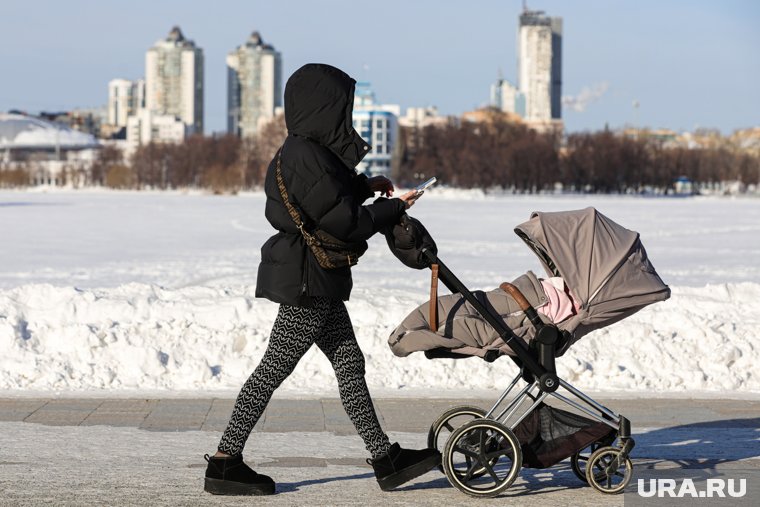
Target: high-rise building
(125,98)
(507,98)
(421,117)
(416,120)
(174,80)
(147,127)
(254,86)
(539,44)
(378,125)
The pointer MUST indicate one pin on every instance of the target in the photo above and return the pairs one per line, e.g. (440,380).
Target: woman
(318,161)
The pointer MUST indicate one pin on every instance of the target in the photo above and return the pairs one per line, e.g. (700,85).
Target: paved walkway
(326,414)
(148,451)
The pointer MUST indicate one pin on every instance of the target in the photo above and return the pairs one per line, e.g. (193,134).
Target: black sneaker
(398,465)
(230,476)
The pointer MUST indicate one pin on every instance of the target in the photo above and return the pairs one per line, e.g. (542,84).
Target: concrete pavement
(90,451)
(326,414)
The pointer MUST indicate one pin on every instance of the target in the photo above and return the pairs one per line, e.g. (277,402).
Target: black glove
(407,240)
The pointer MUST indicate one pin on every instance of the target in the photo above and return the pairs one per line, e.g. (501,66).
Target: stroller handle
(516,295)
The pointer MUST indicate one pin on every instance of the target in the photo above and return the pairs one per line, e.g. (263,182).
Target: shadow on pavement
(703,444)
(437,483)
(288,487)
(530,482)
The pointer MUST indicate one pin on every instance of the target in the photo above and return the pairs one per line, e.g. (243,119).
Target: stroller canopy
(604,265)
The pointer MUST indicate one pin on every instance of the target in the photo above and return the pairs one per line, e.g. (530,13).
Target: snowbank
(140,336)
(165,298)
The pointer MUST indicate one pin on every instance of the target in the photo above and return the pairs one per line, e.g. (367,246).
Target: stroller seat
(450,327)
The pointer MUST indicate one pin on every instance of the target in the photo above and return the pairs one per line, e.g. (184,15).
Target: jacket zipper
(305,283)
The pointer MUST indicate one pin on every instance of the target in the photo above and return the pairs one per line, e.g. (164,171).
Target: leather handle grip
(516,295)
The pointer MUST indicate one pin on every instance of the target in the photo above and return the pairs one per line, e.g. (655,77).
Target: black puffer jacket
(318,161)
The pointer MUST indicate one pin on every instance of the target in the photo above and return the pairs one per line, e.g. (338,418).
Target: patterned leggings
(327,324)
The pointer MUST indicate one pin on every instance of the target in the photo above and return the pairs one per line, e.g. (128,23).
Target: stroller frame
(537,369)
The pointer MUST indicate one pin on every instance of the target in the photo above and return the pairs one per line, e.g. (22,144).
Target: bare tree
(17,176)
(107,157)
(483,154)
(268,141)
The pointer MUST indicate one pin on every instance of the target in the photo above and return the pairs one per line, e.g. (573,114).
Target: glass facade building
(378,125)
(254,86)
(540,65)
(174,80)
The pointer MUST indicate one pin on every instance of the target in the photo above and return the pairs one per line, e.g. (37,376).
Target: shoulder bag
(330,252)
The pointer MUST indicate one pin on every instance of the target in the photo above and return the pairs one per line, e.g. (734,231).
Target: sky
(688,64)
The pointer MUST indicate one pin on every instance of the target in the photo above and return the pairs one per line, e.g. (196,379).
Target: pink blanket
(561,305)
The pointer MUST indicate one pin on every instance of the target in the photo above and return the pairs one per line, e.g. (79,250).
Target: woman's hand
(410,198)
(381,184)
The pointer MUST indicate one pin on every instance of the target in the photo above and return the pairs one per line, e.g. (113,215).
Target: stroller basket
(549,435)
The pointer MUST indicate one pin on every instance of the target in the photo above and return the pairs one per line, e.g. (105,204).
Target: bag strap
(434,298)
(284,192)
(291,209)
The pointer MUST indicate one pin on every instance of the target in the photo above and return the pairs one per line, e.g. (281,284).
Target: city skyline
(697,71)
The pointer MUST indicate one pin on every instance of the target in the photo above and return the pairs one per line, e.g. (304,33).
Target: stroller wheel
(579,460)
(482,458)
(448,422)
(607,473)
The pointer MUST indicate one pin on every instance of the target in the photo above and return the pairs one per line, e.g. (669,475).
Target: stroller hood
(604,264)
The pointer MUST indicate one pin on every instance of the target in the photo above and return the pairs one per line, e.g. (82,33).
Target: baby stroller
(607,269)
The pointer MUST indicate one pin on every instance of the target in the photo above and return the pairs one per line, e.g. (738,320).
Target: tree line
(511,156)
(491,154)
(221,164)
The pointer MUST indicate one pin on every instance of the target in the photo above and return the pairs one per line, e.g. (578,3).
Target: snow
(19,131)
(116,291)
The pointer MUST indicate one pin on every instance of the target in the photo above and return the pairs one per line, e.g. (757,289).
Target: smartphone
(423,186)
